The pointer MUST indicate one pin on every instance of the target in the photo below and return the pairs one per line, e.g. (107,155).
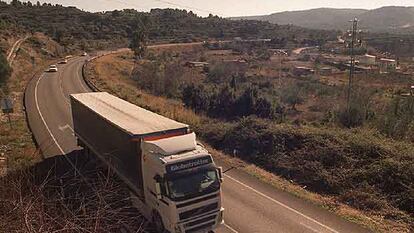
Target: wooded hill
(69,25)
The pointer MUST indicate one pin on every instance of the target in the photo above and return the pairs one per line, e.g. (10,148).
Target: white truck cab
(183,183)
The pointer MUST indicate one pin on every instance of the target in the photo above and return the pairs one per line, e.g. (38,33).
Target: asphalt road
(250,205)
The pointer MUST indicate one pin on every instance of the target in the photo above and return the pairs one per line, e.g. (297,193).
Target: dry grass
(16,144)
(123,87)
(54,197)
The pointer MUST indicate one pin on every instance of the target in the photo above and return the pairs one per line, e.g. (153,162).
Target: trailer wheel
(157,222)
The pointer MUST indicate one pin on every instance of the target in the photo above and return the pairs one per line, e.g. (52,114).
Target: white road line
(65,127)
(308,227)
(43,119)
(281,204)
(230,228)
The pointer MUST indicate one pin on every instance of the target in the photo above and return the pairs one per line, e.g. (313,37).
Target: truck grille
(203,220)
(201,210)
(209,224)
(197,201)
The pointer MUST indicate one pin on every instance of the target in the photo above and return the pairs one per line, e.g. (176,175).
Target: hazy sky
(228,8)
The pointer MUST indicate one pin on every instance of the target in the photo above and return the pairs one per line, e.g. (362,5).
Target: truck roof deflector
(172,146)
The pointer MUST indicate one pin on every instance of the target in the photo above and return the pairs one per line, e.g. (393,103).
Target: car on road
(52,68)
(64,61)
(84,54)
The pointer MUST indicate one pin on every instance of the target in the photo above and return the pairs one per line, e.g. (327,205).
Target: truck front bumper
(201,224)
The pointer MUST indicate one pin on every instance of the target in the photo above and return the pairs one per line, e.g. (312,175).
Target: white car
(63,61)
(84,54)
(52,68)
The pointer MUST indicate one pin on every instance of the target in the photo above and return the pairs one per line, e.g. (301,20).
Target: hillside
(385,19)
(71,26)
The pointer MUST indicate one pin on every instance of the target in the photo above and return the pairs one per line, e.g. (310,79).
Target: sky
(227,8)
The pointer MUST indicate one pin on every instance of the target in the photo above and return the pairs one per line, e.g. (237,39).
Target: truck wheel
(158,224)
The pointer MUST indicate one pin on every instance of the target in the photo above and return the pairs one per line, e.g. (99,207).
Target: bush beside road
(347,168)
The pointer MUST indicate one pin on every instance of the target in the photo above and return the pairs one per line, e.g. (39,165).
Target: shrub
(5,69)
(292,96)
(361,168)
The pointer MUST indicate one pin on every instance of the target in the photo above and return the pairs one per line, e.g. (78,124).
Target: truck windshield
(192,185)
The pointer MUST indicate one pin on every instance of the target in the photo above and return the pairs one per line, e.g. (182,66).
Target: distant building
(387,65)
(194,64)
(302,71)
(324,71)
(368,60)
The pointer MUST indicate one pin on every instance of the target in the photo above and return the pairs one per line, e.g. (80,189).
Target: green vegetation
(70,26)
(398,121)
(5,69)
(400,45)
(360,167)
(357,167)
(140,37)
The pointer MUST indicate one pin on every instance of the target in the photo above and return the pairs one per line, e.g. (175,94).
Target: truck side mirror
(220,174)
(158,190)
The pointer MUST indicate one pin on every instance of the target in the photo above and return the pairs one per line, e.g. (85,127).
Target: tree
(222,103)
(264,108)
(15,3)
(195,97)
(245,104)
(140,36)
(292,96)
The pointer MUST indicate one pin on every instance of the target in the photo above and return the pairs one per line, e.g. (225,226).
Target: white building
(387,65)
(368,60)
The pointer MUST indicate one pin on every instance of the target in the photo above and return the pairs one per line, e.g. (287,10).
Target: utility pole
(352,62)
(354,40)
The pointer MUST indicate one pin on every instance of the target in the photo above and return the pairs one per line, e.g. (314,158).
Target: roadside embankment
(357,174)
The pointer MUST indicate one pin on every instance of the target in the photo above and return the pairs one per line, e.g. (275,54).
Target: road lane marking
(281,204)
(308,227)
(65,127)
(230,228)
(43,119)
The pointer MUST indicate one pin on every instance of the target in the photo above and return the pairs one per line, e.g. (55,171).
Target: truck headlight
(220,218)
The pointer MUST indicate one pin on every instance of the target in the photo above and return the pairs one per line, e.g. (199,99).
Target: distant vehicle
(84,54)
(52,68)
(173,179)
(68,57)
(63,61)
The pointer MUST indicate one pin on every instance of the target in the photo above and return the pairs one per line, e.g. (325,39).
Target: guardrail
(90,84)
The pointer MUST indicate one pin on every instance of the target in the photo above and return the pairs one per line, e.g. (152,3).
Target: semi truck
(172,178)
